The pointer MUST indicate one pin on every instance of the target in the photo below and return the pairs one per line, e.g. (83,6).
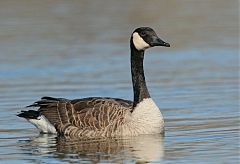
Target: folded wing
(93,113)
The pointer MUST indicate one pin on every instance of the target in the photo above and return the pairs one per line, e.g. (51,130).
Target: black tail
(30,114)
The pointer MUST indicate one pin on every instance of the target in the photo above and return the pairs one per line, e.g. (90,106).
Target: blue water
(76,49)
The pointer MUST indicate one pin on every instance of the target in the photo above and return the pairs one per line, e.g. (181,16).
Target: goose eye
(143,33)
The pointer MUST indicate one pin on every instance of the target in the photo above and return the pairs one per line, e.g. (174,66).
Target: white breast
(147,118)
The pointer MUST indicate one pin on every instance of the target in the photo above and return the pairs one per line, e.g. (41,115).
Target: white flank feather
(43,125)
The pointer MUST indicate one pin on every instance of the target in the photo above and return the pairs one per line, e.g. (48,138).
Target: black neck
(139,84)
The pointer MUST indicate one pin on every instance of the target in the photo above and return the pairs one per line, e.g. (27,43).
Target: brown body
(81,116)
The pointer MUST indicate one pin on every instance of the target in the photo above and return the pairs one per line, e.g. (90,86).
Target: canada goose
(105,117)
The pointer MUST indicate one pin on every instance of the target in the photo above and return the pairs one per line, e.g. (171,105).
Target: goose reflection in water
(144,148)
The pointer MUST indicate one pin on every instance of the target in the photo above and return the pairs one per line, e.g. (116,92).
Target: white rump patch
(139,43)
(43,125)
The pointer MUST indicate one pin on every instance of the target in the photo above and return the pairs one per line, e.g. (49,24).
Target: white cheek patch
(139,43)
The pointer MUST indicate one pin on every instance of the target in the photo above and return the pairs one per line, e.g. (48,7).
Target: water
(77,49)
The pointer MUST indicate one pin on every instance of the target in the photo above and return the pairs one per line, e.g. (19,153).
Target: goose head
(145,37)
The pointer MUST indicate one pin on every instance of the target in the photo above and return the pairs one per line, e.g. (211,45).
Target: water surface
(77,49)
